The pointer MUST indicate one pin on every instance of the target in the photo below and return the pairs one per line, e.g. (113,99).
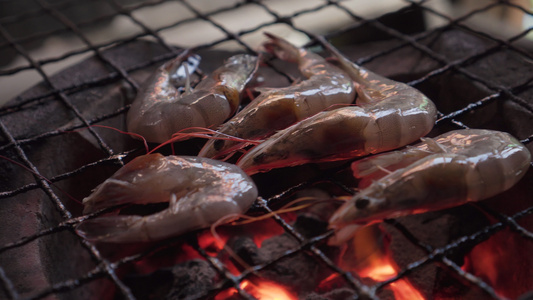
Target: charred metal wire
(61,95)
(107,269)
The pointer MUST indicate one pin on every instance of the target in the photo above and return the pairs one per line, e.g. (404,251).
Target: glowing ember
(263,290)
(369,250)
(382,269)
(495,261)
(211,244)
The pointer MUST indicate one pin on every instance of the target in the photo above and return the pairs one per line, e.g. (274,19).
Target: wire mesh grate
(78,101)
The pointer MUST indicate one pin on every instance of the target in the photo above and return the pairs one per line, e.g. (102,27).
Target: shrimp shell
(159,110)
(389,115)
(277,108)
(199,191)
(451,169)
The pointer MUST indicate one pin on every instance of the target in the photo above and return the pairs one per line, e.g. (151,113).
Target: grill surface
(477,80)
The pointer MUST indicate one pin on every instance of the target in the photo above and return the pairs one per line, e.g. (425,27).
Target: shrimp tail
(240,69)
(281,48)
(354,70)
(180,68)
(109,194)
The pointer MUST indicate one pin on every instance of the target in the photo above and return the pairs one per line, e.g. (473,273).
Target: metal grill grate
(19,144)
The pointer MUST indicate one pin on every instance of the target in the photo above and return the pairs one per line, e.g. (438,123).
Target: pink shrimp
(388,115)
(159,110)
(449,170)
(200,191)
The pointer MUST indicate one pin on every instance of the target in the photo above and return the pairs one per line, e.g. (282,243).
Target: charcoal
(299,271)
(189,280)
(248,251)
(336,294)
(437,229)
(193,279)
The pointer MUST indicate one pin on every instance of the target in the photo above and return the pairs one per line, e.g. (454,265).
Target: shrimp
(200,191)
(452,169)
(388,115)
(277,108)
(160,110)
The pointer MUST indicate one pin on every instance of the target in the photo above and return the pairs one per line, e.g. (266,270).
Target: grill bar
(106,268)
(56,14)
(124,11)
(355,283)
(8,286)
(439,58)
(457,22)
(61,95)
(443,259)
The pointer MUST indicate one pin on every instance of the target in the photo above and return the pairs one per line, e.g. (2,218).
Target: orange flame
(370,259)
(263,290)
(384,268)
(266,290)
(503,262)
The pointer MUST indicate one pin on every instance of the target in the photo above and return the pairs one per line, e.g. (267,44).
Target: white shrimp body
(200,191)
(277,108)
(160,110)
(451,169)
(388,115)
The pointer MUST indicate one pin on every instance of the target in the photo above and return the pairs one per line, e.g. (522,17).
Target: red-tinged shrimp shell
(451,169)
(277,108)
(159,110)
(200,191)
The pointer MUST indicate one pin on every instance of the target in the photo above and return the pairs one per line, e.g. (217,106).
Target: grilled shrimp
(199,191)
(277,108)
(160,110)
(449,170)
(388,115)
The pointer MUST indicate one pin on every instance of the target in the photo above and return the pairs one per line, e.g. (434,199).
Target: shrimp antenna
(117,130)
(40,176)
(203,132)
(220,242)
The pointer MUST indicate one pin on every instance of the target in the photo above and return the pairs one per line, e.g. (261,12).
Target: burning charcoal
(192,279)
(336,294)
(247,250)
(310,226)
(299,271)
(436,229)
